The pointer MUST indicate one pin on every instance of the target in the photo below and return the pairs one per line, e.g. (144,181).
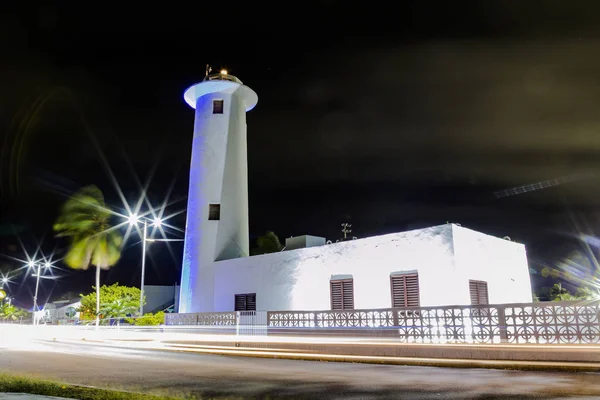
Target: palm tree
(119,308)
(85,219)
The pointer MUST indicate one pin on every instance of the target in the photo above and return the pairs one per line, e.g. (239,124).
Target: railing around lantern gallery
(542,323)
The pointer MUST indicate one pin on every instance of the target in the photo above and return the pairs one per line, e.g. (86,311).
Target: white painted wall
(299,279)
(156,296)
(499,262)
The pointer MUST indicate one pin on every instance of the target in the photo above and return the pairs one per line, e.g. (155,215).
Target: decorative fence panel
(542,323)
(181,319)
(217,319)
(565,322)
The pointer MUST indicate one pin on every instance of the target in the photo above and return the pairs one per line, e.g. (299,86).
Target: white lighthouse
(217,211)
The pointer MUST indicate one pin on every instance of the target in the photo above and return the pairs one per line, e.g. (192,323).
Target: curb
(285,354)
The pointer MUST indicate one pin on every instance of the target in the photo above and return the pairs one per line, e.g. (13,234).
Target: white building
(60,312)
(441,265)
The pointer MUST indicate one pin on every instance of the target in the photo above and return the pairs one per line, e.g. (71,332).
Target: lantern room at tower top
(223,83)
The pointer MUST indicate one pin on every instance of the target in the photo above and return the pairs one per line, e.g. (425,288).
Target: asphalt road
(164,372)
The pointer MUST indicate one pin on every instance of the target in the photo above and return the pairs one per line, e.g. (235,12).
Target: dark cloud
(393,118)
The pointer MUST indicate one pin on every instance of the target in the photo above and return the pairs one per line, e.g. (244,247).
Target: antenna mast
(346,229)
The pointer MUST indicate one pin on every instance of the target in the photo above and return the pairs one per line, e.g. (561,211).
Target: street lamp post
(33,264)
(35,296)
(143,268)
(157,222)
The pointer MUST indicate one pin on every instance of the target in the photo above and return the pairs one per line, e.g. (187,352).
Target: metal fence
(542,323)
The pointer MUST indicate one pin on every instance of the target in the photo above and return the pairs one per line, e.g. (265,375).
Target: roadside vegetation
(17,384)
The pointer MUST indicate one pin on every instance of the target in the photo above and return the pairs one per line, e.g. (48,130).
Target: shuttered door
(342,294)
(245,302)
(405,290)
(240,302)
(479,292)
(251,302)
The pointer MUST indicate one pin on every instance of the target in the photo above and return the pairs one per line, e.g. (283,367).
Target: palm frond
(80,253)
(108,250)
(86,219)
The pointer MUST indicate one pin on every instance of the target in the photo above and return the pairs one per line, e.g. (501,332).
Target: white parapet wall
(446,257)
(500,262)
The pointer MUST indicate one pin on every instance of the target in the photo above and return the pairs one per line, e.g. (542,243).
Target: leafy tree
(560,293)
(9,312)
(268,243)
(119,308)
(585,293)
(85,219)
(115,301)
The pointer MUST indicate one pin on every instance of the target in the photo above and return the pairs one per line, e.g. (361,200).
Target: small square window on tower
(214,212)
(217,106)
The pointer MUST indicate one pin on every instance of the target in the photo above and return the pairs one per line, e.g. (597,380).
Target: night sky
(389,117)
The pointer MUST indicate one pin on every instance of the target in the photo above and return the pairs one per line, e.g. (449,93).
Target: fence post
(316,321)
(395,317)
(502,324)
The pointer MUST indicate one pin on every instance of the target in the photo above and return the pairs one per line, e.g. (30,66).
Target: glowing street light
(37,274)
(133,219)
(157,222)
(4,281)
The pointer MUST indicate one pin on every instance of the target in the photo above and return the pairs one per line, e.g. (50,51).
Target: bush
(148,319)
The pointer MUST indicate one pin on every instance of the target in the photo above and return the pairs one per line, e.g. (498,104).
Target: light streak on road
(195,336)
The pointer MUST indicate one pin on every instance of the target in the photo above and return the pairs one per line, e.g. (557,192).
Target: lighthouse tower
(217,210)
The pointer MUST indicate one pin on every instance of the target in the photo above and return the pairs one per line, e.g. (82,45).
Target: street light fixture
(134,219)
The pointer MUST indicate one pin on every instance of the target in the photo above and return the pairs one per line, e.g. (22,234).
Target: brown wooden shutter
(405,290)
(412,290)
(342,294)
(479,292)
